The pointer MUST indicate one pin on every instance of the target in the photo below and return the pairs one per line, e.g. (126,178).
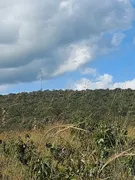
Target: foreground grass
(66,151)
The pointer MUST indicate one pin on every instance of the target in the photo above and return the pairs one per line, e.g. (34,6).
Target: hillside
(79,135)
(24,110)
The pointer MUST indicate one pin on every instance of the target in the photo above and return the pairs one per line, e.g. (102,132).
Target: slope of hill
(24,110)
(92,132)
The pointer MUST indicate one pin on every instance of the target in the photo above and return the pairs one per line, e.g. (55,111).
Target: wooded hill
(25,110)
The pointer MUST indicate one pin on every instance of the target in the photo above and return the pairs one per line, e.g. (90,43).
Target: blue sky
(78,44)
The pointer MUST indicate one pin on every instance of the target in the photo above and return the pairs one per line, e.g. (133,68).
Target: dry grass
(116,156)
(58,133)
(55,134)
(131,132)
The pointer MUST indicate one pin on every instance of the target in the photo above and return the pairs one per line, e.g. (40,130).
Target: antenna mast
(41,79)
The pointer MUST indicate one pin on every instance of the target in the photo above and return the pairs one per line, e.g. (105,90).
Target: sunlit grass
(61,134)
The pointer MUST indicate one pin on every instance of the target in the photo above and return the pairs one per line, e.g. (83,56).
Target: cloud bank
(104,81)
(59,36)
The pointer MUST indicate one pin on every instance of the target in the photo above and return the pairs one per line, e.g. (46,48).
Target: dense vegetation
(73,135)
(24,110)
(68,152)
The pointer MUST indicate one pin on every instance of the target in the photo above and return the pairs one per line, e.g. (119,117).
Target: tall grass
(67,151)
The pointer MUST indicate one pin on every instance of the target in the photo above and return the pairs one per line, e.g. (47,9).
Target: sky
(69,44)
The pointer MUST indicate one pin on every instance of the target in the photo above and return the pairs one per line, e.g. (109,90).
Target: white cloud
(124,85)
(79,55)
(117,38)
(67,5)
(89,71)
(102,82)
(58,36)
